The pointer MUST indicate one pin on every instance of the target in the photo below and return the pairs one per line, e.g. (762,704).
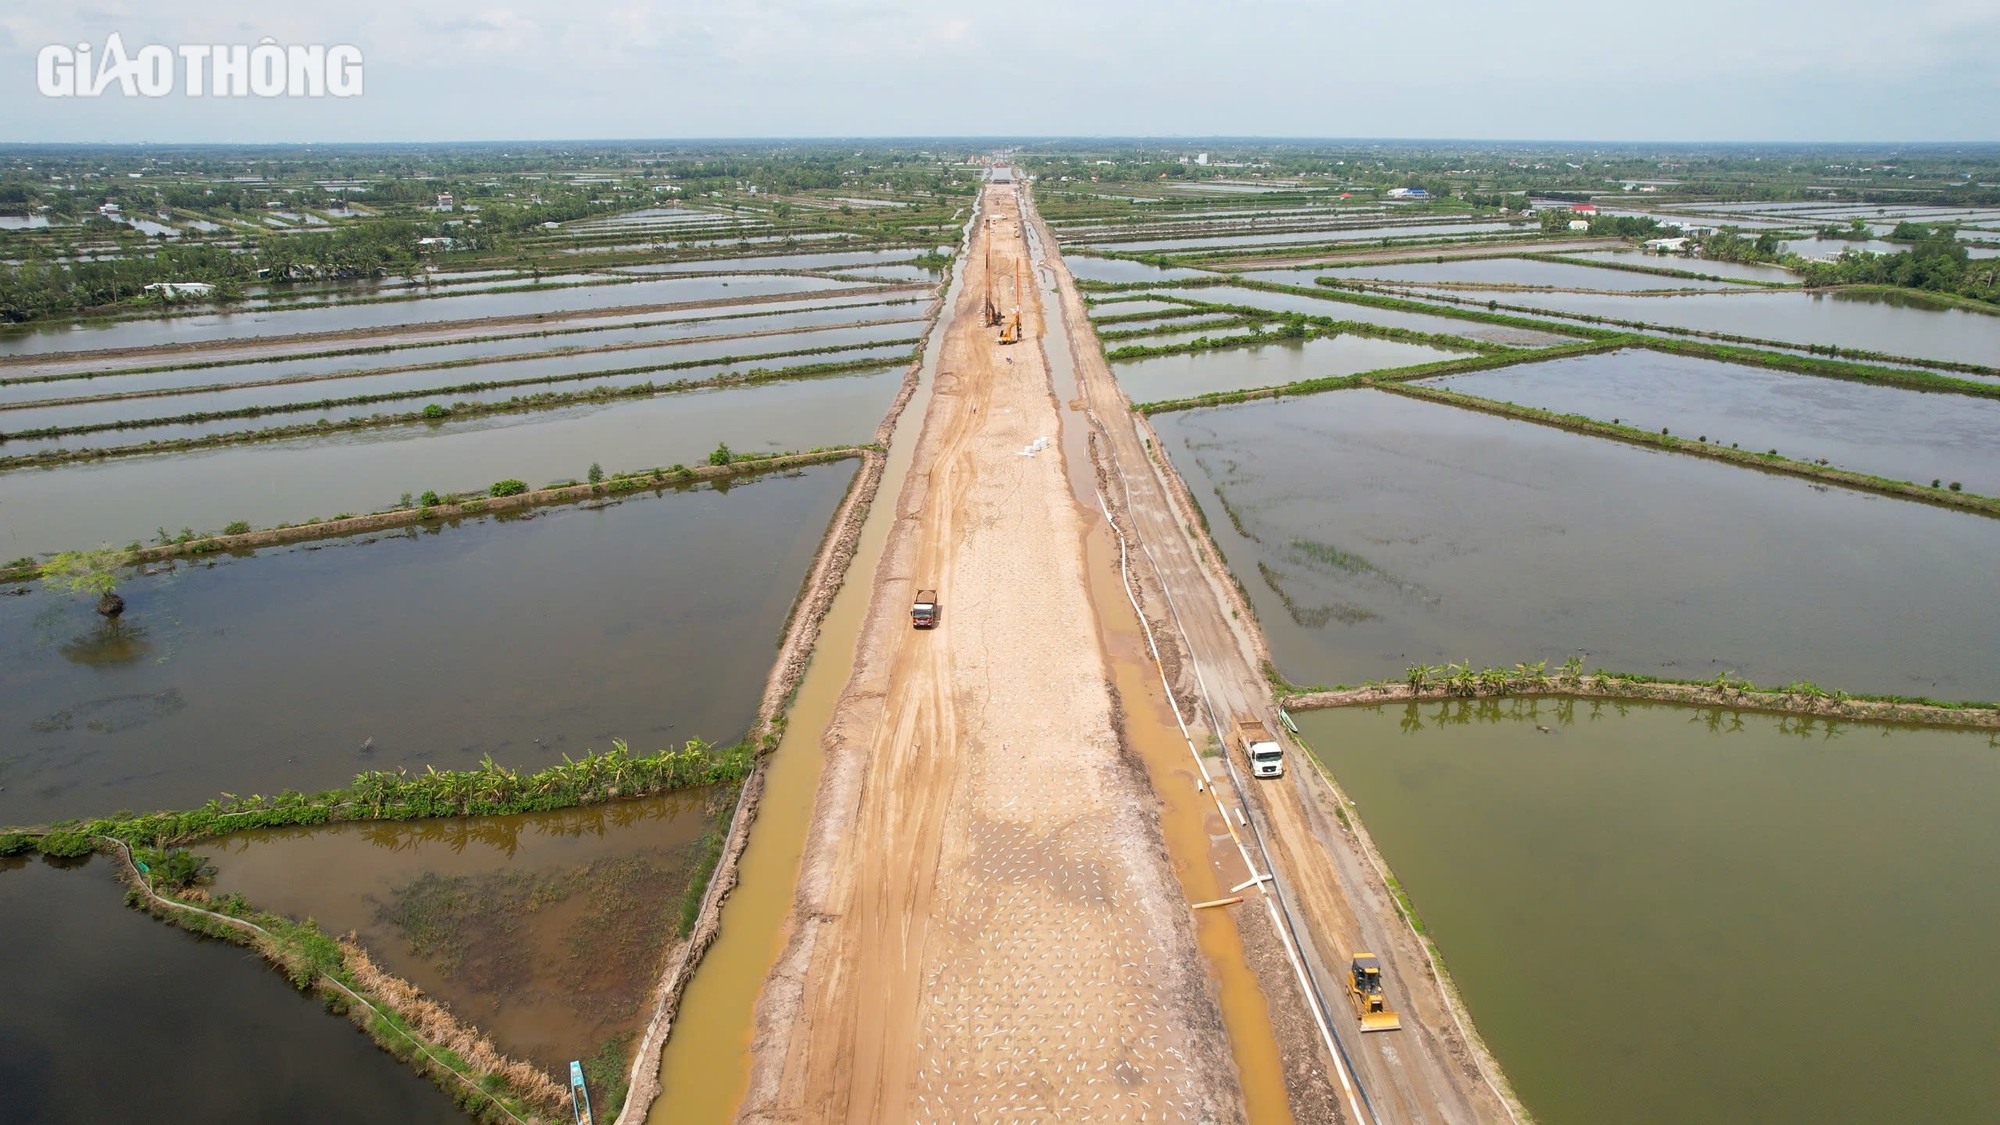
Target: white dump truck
(924,611)
(1266,757)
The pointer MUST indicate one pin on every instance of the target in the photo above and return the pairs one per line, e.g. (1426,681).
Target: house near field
(174,290)
(1408,193)
(1584,208)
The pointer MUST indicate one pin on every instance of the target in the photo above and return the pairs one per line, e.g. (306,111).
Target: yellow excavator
(1364,990)
(1010,333)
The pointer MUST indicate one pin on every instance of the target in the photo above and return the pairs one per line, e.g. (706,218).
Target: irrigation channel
(704,1067)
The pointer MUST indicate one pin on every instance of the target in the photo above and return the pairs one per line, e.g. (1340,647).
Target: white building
(173,290)
(445,201)
(1201,158)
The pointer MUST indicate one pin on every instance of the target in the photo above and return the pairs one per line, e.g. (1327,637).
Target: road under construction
(1036,886)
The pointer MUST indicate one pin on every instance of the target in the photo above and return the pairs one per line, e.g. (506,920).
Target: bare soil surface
(986,925)
(1434,1070)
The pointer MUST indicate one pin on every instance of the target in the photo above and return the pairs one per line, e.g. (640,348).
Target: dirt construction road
(987,926)
(1336,900)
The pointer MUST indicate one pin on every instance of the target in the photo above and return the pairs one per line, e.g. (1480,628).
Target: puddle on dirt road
(109,1015)
(116,501)
(1373,532)
(1664,914)
(1265,365)
(1883,431)
(1196,836)
(544,930)
(650,619)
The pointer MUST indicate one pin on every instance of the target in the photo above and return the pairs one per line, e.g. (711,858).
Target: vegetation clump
(509,487)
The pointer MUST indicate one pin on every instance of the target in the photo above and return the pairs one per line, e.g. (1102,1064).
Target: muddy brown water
(544,930)
(60,336)
(1266,365)
(1379,532)
(1669,914)
(117,501)
(652,619)
(1188,820)
(705,1065)
(109,1015)
(1882,431)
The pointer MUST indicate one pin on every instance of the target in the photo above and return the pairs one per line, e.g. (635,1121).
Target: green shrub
(721,456)
(429,499)
(14,843)
(596,473)
(237,527)
(64,844)
(508,487)
(433,410)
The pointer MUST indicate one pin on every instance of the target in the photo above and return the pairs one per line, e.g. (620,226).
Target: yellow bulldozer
(1364,990)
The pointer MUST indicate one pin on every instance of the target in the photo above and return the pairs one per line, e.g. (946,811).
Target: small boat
(579,1097)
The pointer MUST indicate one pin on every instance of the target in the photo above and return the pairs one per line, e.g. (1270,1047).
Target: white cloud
(451,69)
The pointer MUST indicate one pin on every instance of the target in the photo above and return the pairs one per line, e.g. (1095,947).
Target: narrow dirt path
(987,926)
(1337,903)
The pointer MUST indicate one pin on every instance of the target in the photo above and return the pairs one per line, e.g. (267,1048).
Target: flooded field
(1117,270)
(651,619)
(1745,270)
(1379,532)
(216,326)
(1304,237)
(1890,325)
(118,500)
(1521,271)
(1662,914)
(1388,318)
(668,363)
(545,930)
(1882,431)
(108,1015)
(187,371)
(1266,365)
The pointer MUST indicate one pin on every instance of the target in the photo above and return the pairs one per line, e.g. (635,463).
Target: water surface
(1882,431)
(1663,914)
(118,500)
(652,620)
(109,1015)
(1890,325)
(1380,531)
(1265,365)
(544,930)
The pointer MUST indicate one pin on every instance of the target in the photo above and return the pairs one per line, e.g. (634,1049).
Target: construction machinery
(1010,332)
(924,611)
(1364,990)
(1260,749)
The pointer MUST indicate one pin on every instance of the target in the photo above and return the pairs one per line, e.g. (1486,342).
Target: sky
(466,70)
